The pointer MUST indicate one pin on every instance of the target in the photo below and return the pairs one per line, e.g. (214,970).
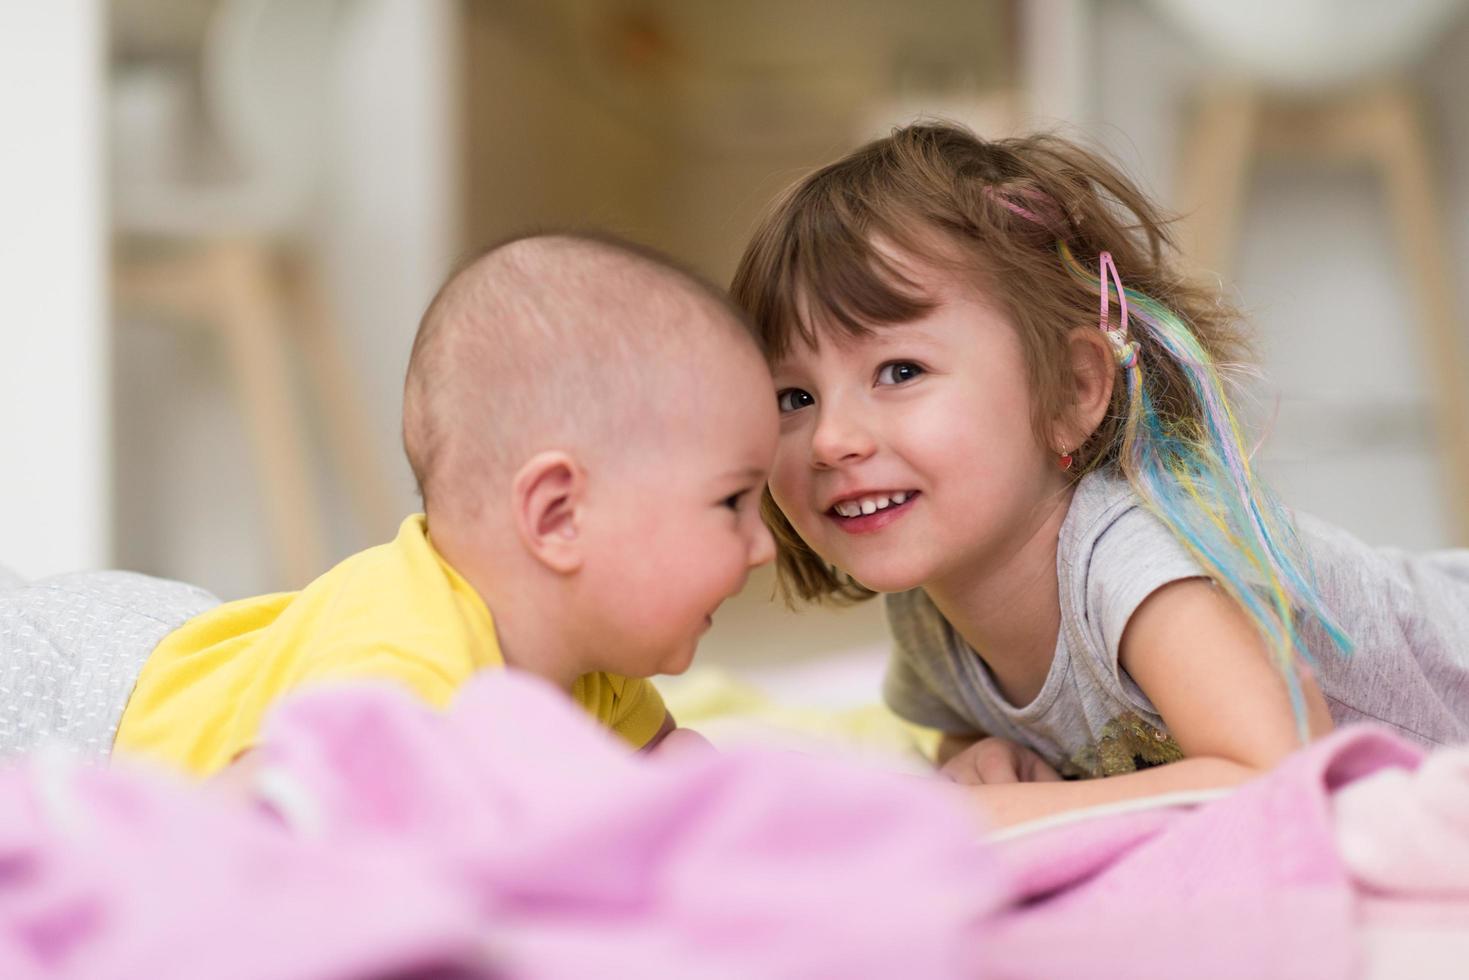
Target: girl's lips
(876,521)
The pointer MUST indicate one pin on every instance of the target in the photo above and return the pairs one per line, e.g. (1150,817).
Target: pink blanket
(511,838)
(1249,886)
(507,838)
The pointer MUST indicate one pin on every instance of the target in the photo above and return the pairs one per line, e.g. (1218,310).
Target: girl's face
(907,458)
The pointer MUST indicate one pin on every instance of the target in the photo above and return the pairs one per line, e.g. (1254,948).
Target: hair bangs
(819,267)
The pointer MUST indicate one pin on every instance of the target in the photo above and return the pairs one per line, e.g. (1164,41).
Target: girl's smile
(867,511)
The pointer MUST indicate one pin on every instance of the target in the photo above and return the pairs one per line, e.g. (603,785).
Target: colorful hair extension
(1196,478)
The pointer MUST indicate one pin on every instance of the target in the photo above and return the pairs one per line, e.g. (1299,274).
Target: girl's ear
(548,496)
(1093,372)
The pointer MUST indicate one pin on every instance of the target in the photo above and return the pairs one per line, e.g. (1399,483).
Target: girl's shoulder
(1113,553)
(1102,499)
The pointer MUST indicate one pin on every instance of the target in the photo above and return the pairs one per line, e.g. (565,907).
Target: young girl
(1003,408)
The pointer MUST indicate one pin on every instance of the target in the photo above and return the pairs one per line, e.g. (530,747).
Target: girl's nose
(838,439)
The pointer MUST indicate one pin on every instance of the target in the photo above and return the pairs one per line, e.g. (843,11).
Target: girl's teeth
(869,505)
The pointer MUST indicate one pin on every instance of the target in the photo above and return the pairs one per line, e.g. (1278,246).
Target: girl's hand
(997,760)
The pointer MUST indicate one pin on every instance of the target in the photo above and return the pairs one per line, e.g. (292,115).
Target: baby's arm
(671,738)
(1204,667)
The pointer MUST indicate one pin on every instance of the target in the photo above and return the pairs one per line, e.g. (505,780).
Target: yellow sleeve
(629,706)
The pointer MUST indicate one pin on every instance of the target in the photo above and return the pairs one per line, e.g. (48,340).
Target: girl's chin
(877,567)
(887,580)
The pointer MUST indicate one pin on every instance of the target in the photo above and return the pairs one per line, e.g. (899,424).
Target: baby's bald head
(562,341)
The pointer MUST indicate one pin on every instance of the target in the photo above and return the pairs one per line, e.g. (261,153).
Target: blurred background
(223,218)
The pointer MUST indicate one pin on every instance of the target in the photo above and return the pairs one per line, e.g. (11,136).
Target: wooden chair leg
(1214,175)
(342,406)
(1402,153)
(247,311)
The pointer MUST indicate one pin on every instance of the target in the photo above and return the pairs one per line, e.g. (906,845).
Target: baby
(577,415)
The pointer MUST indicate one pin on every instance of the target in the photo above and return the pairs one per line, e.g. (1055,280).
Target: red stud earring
(1065,459)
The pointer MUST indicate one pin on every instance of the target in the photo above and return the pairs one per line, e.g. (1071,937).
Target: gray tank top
(1408,615)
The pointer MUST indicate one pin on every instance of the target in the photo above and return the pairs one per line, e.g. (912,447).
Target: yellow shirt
(398,612)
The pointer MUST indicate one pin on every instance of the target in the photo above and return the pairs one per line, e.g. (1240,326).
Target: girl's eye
(792,399)
(898,372)
(733,500)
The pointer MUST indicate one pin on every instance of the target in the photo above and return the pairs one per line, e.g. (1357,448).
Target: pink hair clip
(1125,350)
(1045,213)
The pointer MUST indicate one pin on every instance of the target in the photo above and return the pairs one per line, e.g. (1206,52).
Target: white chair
(213,231)
(1322,80)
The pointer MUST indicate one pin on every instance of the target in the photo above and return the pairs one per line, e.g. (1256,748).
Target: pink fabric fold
(1405,832)
(1250,885)
(580,854)
(510,837)
(125,874)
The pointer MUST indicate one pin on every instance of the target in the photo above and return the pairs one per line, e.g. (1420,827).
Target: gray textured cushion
(71,647)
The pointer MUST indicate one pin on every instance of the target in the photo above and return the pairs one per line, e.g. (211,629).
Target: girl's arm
(1206,670)
(1208,673)
(1005,804)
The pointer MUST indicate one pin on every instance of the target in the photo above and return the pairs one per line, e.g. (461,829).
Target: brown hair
(992,211)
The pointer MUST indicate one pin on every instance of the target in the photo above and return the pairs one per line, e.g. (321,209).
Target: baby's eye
(734,500)
(792,399)
(898,372)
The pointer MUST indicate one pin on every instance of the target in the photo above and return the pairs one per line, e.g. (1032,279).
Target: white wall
(54,463)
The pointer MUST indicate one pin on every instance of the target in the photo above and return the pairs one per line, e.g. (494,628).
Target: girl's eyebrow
(903,333)
(888,335)
(898,334)
(786,365)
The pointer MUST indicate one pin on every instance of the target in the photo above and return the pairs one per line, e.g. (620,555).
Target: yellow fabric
(398,613)
(717,704)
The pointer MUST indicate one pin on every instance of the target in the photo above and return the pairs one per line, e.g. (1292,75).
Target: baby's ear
(548,495)
(1093,370)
